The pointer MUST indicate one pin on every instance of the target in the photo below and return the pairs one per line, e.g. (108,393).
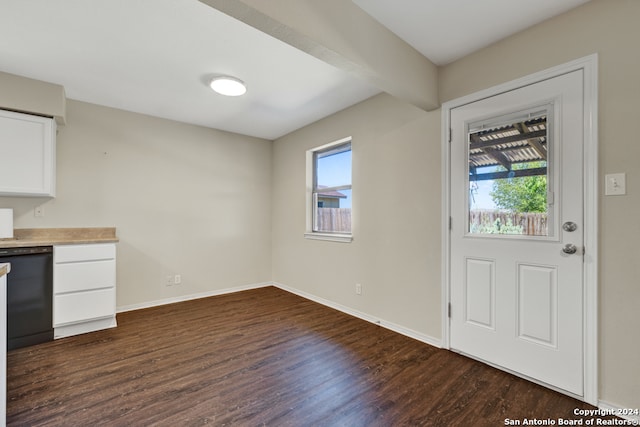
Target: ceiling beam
(341,34)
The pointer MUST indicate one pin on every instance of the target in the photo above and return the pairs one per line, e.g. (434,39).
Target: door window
(509,181)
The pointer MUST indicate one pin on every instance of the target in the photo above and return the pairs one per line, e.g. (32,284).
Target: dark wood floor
(261,357)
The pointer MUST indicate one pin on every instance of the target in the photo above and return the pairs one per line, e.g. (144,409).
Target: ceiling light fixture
(228,86)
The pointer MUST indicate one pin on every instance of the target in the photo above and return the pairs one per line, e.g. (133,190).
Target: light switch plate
(615,184)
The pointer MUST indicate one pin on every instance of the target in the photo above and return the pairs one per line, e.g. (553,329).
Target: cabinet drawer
(81,276)
(82,306)
(78,253)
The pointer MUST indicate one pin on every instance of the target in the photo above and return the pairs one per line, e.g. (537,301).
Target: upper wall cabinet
(27,155)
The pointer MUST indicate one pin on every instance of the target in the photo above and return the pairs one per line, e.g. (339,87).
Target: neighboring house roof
(331,194)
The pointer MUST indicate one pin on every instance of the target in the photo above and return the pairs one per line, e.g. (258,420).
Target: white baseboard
(182,298)
(380,322)
(385,324)
(84,327)
(629,414)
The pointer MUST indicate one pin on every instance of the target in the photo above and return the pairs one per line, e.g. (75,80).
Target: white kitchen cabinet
(84,288)
(27,155)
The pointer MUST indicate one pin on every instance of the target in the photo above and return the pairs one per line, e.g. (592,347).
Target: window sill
(329,237)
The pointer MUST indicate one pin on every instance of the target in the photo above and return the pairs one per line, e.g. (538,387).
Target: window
(510,175)
(329,191)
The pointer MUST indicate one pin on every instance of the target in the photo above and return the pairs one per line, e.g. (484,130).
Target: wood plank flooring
(261,357)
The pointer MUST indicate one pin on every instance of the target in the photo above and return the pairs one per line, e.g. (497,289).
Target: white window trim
(309,233)
(329,237)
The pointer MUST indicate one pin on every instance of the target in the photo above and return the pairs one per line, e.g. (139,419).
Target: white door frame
(589,65)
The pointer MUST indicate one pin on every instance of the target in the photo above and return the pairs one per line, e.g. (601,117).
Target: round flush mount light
(228,86)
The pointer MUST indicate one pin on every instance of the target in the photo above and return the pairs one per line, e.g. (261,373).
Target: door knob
(569,248)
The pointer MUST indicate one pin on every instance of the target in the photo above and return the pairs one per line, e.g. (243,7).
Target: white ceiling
(446,30)
(156,56)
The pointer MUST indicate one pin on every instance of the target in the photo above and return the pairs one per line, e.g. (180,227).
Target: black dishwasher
(29,295)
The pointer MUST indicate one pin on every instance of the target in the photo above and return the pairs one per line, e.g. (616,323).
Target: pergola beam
(507,139)
(508,174)
(533,142)
(499,157)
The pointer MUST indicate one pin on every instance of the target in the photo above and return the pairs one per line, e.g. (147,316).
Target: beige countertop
(4,269)
(26,237)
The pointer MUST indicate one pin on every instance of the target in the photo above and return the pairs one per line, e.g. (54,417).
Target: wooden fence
(533,224)
(337,220)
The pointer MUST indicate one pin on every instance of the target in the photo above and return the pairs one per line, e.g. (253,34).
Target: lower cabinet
(84,288)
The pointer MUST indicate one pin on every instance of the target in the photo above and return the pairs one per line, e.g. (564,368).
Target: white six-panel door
(517,301)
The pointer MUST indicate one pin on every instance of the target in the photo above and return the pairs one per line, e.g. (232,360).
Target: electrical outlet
(177,279)
(168,280)
(358,289)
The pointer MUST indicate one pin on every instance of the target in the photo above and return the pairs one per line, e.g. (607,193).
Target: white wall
(184,200)
(609,28)
(200,202)
(395,253)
